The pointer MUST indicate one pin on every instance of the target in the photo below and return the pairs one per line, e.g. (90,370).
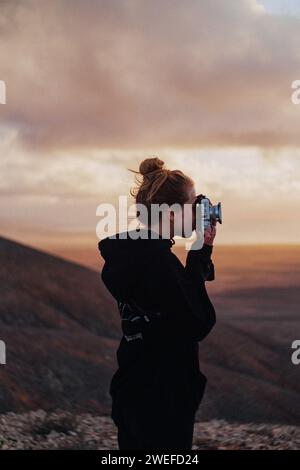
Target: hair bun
(150,165)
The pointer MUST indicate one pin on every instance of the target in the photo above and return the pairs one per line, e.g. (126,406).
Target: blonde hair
(159,185)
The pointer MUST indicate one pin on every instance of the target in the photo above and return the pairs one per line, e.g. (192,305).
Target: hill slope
(61,329)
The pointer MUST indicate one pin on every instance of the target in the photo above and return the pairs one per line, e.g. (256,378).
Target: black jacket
(165,311)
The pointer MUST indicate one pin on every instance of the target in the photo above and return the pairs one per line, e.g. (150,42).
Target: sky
(281,7)
(95,88)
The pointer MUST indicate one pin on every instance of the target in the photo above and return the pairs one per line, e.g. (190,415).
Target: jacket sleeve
(186,310)
(199,263)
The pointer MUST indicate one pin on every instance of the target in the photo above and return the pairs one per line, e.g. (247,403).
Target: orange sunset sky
(94,87)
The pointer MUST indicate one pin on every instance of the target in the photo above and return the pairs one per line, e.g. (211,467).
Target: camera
(210,212)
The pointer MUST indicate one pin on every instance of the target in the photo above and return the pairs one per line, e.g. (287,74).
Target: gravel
(64,430)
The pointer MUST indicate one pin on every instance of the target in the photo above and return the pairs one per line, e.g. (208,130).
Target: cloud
(260,194)
(137,73)
(94,87)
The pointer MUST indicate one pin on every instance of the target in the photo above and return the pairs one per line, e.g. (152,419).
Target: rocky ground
(64,430)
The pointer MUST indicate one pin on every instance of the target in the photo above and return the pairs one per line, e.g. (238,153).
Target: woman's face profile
(183,221)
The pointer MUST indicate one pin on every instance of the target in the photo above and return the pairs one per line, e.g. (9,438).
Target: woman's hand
(210,233)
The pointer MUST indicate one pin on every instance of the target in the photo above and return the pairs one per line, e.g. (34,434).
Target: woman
(165,312)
